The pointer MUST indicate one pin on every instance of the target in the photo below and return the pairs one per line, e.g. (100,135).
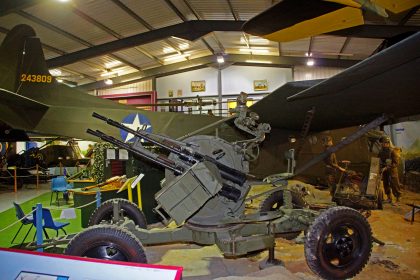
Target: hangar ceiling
(88,41)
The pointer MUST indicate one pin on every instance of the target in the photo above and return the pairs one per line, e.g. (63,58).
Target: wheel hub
(344,246)
(106,252)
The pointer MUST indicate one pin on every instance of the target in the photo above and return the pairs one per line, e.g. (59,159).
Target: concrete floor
(27,192)
(398,259)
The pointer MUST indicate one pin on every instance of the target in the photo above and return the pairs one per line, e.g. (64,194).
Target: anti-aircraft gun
(204,193)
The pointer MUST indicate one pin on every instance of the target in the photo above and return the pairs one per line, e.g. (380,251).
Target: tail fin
(22,64)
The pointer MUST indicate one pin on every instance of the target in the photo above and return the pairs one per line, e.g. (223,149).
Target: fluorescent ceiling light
(168,49)
(55,72)
(255,50)
(220,59)
(259,61)
(109,82)
(59,80)
(112,64)
(310,62)
(308,54)
(177,56)
(109,73)
(184,46)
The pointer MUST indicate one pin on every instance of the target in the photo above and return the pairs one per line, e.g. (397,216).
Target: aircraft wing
(387,82)
(291,20)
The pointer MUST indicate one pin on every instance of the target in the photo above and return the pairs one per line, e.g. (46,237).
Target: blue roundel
(135,121)
(2,148)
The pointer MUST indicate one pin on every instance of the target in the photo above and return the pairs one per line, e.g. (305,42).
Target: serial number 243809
(36,78)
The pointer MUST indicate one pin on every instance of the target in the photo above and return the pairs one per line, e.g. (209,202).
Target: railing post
(39,228)
(98,199)
(15,179)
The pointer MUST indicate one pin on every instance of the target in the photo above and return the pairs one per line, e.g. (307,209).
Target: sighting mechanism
(248,122)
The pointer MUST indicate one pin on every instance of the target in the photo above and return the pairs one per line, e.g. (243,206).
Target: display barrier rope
(14,223)
(97,201)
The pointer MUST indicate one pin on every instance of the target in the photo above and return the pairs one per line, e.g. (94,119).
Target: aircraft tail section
(23,69)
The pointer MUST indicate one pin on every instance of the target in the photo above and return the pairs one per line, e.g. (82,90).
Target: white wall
(302,73)
(234,80)
(130,88)
(182,81)
(241,78)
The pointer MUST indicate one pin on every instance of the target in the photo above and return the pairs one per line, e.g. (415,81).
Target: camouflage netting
(99,161)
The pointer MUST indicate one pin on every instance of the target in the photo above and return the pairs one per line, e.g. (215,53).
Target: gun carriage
(205,191)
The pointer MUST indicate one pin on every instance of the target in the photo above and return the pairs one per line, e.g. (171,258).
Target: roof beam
(184,19)
(235,17)
(68,35)
(343,47)
(107,30)
(11,6)
(189,30)
(144,23)
(206,61)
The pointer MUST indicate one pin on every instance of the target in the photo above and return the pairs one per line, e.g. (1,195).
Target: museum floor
(398,259)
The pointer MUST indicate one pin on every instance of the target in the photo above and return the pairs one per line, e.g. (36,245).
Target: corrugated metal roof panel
(299,46)
(414,19)
(112,16)
(184,9)
(156,13)
(362,48)
(212,9)
(63,17)
(135,57)
(46,35)
(158,48)
(246,9)
(327,44)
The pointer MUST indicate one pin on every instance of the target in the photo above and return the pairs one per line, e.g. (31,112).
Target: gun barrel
(226,172)
(160,160)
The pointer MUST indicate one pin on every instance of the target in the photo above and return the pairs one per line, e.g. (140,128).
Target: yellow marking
(139,196)
(35,78)
(337,20)
(350,3)
(130,193)
(397,6)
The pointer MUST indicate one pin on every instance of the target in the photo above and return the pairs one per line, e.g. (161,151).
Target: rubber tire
(321,226)
(101,235)
(105,211)
(277,197)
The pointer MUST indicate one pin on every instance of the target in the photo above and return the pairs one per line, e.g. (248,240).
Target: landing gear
(107,242)
(338,244)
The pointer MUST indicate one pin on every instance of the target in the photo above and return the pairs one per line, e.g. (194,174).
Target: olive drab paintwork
(345,100)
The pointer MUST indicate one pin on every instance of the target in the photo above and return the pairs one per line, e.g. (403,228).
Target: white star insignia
(134,126)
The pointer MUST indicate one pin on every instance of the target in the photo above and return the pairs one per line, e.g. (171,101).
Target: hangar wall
(234,80)
(302,73)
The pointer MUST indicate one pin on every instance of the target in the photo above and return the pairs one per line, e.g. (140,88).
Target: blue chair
(48,222)
(59,185)
(25,221)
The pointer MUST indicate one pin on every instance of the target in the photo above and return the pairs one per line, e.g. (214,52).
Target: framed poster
(197,86)
(170,93)
(260,85)
(179,93)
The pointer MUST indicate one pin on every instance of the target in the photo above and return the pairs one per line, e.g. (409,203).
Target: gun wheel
(273,203)
(338,244)
(104,213)
(107,242)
